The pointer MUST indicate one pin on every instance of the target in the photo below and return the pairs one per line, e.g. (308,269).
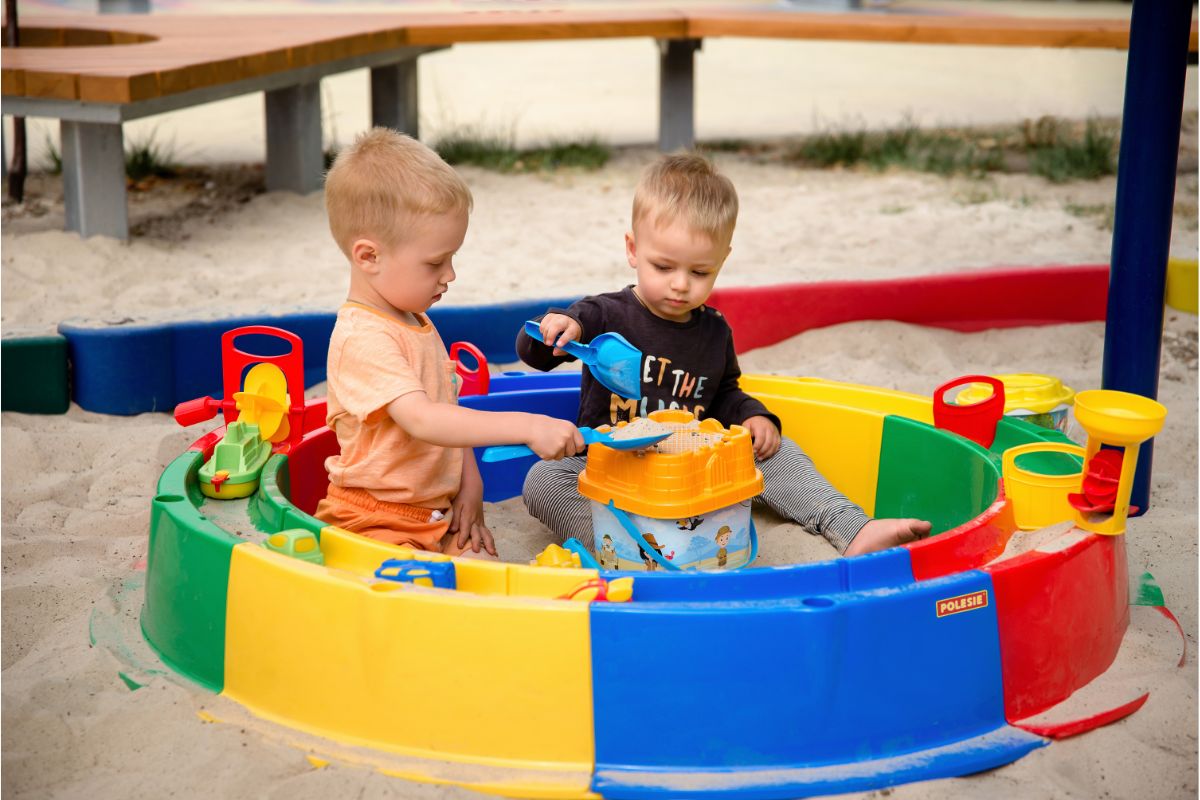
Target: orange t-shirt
(373,359)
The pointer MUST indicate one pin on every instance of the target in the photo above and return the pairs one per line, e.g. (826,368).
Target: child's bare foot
(880,534)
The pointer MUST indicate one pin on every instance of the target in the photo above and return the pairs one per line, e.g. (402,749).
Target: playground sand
(77,487)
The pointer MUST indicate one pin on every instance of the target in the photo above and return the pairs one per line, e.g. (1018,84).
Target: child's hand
(466,519)
(554,438)
(765,436)
(559,329)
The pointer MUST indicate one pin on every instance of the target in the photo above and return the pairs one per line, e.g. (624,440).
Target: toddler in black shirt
(684,213)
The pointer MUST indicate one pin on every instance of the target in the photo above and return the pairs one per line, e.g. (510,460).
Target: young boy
(406,474)
(684,214)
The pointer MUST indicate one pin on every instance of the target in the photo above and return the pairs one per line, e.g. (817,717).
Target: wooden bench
(93,73)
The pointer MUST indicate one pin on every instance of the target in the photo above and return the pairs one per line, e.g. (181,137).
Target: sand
(77,487)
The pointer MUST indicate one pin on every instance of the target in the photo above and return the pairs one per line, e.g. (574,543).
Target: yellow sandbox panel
(842,442)
(438,674)
(362,556)
(871,398)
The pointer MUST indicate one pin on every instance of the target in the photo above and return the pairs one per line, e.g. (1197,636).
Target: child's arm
(583,321)
(732,406)
(467,517)
(450,425)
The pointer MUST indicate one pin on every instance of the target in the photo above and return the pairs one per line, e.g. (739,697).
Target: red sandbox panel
(1006,297)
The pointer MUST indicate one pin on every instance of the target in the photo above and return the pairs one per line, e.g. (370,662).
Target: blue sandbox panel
(138,368)
(987,751)
(504,479)
(836,668)
(887,568)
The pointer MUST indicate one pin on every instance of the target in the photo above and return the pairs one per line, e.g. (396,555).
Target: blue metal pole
(1154,80)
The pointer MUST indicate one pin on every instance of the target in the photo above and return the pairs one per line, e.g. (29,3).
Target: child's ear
(364,254)
(631,249)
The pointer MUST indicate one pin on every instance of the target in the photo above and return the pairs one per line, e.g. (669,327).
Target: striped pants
(792,488)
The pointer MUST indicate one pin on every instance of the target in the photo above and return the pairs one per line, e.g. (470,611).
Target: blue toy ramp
(993,749)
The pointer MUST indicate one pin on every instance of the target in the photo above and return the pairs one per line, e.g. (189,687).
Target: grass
(144,158)
(148,158)
(1065,157)
(499,153)
(1048,147)
(905,146)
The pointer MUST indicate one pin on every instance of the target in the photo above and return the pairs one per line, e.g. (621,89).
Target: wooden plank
(506,26)
(1007,31)
(56,85)
(12,82)
(99,88)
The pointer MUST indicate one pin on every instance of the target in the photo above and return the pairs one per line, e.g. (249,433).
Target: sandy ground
(76,488)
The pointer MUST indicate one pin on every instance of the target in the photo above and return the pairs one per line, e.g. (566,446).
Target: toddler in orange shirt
(406,474)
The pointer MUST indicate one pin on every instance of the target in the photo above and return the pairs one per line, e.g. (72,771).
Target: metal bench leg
(676,94)
(124,6)
(394,97)
(294,158)
(93,165)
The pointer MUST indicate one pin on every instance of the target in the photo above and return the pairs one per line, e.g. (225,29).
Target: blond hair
(383,183)
(687,187)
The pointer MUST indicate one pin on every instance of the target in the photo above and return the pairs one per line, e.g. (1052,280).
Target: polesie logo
(964,602)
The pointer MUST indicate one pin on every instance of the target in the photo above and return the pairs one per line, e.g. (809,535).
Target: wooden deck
(94,73)
(125,59)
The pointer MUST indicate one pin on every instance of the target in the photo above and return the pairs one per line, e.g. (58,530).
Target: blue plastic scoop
(590,436)
(610,358)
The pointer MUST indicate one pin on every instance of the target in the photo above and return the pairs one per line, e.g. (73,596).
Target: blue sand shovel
(610,358)
(590,436)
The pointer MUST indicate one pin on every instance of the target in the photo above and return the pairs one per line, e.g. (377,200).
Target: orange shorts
(359,511)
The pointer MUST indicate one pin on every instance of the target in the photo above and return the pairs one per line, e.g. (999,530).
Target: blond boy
(684,213)
(406,474)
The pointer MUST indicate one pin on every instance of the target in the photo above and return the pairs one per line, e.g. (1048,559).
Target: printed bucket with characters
(1039,399)
(682,504)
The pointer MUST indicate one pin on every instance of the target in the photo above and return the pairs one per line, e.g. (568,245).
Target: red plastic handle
(474,381)
(977,421)
(198,410)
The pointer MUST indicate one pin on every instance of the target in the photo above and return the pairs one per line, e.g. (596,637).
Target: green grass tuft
(146,157)
(1062,159)
(54,156)
(498,153)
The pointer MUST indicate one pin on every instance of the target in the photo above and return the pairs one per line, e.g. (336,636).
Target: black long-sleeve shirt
(689,365)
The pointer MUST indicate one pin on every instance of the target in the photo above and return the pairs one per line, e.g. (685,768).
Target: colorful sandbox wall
(783,661)
(105,369)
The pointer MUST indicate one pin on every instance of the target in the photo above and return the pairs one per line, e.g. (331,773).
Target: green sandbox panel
(932,474)
(34,377)
(1014,432)
(187,577)
(270,508)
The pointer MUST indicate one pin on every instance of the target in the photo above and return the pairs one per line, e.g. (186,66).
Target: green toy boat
(236,463)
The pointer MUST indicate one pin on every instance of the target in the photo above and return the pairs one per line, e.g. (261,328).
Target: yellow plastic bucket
(1039,499)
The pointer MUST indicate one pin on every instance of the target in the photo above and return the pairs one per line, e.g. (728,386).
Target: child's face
(676,266)
(412,275)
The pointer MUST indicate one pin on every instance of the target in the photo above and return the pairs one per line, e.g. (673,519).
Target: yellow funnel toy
(1125,420)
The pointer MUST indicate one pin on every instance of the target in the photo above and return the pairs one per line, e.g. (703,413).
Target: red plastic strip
(1065,730)
(1166,612)
(1004,297)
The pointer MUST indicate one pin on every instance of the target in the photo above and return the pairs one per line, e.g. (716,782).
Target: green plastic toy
(236,463)
(297,543)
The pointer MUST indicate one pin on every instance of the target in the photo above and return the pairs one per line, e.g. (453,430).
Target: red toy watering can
(976,421)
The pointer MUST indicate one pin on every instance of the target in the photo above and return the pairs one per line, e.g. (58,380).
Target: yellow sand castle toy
(682,504)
